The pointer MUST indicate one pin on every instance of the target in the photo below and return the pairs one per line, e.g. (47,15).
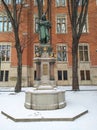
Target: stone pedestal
(45,99)
(44,72)
(45,95)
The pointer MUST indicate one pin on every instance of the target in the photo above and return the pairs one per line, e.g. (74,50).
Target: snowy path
(85,98)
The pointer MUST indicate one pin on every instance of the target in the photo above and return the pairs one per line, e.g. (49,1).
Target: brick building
(61,41)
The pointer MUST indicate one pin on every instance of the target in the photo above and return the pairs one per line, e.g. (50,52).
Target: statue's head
(43,17)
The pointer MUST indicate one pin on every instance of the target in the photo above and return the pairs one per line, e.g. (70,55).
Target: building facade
(61,42)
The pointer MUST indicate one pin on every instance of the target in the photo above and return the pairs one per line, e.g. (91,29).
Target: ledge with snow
(69,113)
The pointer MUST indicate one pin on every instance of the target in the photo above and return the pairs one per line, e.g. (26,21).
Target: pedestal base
(45,99)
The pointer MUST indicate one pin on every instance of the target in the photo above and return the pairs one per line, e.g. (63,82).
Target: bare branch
(20,11)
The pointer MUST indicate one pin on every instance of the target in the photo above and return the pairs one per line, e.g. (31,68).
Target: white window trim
(61,15)
(2,15)
(19,1)
(87,22)
(34,48)
(35,16)
(59,44)
(60,5)
(10,44)
(4,70)
(85,44)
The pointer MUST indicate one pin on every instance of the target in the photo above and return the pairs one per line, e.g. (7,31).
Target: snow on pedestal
(45,96)
(45,99)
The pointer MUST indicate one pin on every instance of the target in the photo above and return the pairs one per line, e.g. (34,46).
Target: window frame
(60,17)
(65,75)
(60,75)
(59,51)
(5,21)
(6,75)
(85,75)
(35,24)
(3,77)
(60,4)
(80,3)
(36,52)
(86,25)
(35,77)
(5,53)
(84,52)
(9,2)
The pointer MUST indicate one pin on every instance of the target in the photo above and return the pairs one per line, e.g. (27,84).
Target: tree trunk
(75,79)
(19,64)
(19,71)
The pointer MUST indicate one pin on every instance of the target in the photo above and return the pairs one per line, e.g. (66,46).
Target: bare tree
(77,15)
(14,13)
(40,8)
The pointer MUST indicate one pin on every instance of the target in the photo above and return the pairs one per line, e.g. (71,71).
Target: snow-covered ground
(87,98)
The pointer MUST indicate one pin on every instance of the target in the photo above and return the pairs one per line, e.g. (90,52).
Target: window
(65,75)
(80,2)
(1,75)
(85,74)
(59,75)
(85,27)
(8,1)
(60,3)
(36,24)
(85,30)
(4,75)
(5,24)
(35,2)
(35,75)
(18,1)
(61,24)
(36,50)
(62,75)
(83,53)
(61,53)
(5,52)
(82,75)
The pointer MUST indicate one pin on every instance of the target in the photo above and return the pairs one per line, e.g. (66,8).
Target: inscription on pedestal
(45,69)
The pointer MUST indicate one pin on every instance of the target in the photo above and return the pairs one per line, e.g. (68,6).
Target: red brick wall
(27,25)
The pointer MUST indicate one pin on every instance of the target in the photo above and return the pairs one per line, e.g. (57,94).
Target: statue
(43,30)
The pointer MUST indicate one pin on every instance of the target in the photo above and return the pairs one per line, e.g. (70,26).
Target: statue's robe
(44,31)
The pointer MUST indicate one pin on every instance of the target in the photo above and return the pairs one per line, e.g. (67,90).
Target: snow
(86,97)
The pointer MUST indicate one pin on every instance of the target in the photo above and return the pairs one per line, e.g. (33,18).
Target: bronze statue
(43,30)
